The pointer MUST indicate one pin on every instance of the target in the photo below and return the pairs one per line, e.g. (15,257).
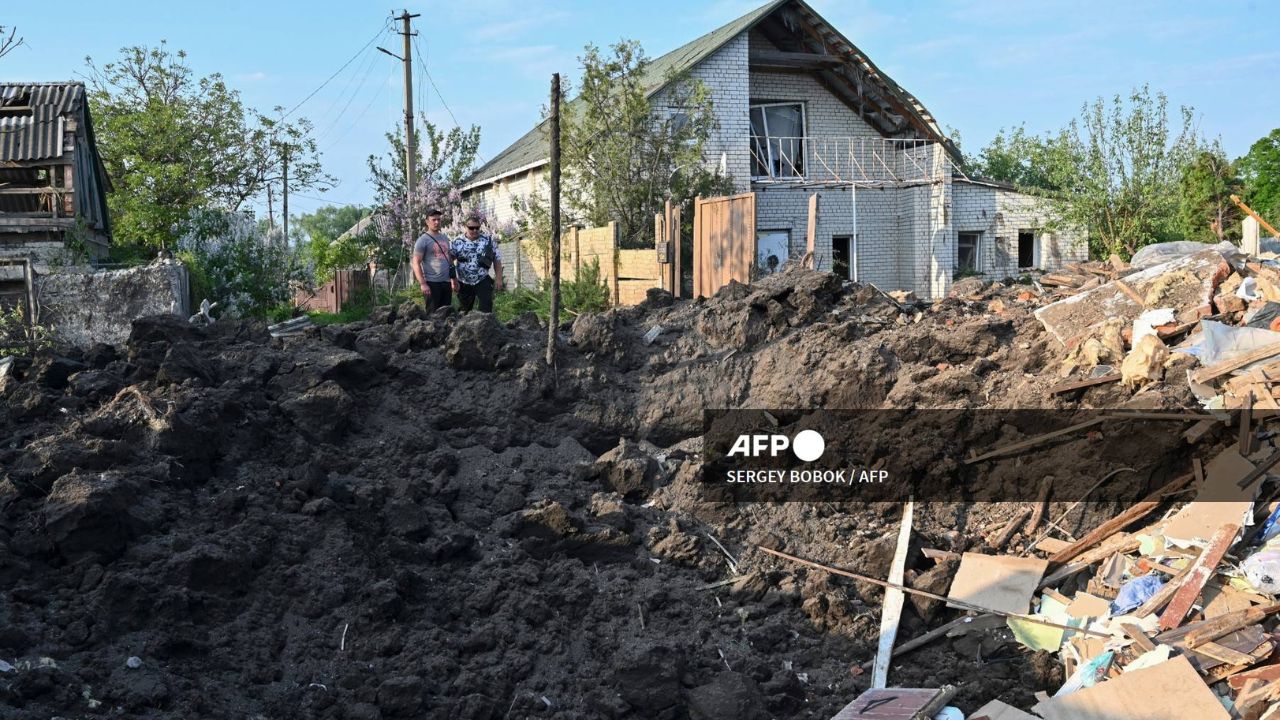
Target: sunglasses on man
(473,228)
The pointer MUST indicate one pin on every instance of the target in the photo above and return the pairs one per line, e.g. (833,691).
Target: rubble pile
(412,516)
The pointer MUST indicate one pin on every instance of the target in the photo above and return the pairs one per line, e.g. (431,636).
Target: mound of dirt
(413,517)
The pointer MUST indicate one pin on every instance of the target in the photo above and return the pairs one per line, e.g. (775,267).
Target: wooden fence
(335,294)
(627,273)
(724,242)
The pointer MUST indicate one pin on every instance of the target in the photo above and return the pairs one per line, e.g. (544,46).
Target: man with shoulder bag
(474,254)
(433,264)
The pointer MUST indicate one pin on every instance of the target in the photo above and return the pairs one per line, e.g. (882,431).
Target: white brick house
(800,111)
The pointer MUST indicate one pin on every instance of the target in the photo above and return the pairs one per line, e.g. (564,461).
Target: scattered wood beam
(1203,568)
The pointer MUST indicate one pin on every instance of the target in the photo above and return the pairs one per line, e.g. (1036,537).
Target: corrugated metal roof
(38,135)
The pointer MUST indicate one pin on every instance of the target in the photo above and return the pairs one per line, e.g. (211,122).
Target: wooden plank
(811,230)
(893,599)
(1260,470)
(779,60)
(677,248)
(699,246)
(1119,543)
(1201,571)
(1133,294)
(1222,653)
(1196,432)
(1139,638)
(659,233)
(1032,442)
(1227,624)
(1082,384)
(1205,374)
(1246,427)
(1119,522)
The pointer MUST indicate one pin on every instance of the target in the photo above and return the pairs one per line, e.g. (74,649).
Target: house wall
(495,199)
(46,250)
(724,73)
(1000,214)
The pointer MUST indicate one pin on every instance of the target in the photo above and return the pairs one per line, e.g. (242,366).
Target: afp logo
(808,445)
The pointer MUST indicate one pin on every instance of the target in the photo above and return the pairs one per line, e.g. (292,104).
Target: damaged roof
(36,133)
(864,79)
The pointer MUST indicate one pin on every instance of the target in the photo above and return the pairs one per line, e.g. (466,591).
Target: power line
(364,82)
(382,88)
(372,40)
(331,202)
(439,95)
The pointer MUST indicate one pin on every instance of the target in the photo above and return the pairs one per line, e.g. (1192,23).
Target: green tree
(1260,170)
(450,157)
(623,157)
(173,143)
(1020,158)
(1205,190)
(325,242)
(1120,171)
(1117,170)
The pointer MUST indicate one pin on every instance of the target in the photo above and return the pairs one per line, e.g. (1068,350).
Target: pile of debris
(1164,609)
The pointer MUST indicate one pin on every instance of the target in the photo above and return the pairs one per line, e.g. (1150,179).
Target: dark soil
(415,518)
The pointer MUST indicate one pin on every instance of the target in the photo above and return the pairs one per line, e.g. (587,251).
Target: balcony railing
(847,160)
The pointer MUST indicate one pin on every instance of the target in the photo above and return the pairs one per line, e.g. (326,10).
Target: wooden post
(668,271)
(676,249)
(659,237)
(811,235)
(577,253)
(68,191)
(554,120)
(697,246)
(613,260)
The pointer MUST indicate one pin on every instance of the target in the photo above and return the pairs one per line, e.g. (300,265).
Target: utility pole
(284,203)
(553,325)
(271,208)
(410,142)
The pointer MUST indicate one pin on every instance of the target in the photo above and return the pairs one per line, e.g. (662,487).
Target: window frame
(977,251)
(764,119)
(771,231)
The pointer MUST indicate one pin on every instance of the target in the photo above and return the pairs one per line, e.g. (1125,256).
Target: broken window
(1028,257)
(967,252)
(777,140)
(773,247)
(841,256)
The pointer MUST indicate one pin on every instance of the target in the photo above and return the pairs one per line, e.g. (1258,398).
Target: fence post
(677,285)
(613,260)
(659,233)
(554,321)
(697,246)
(577,253)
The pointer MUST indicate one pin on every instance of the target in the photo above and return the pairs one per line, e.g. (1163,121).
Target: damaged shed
(53,184)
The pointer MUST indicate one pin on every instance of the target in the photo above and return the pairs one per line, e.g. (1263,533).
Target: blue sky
(978,65)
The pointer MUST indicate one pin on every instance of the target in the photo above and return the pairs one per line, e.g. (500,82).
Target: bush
(232,264)
(586,293)
(19,338)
